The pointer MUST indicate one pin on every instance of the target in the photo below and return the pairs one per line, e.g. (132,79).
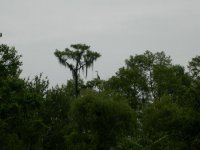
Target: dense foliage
(150,103)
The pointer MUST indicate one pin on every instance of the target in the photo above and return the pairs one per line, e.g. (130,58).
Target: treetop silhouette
(79,58)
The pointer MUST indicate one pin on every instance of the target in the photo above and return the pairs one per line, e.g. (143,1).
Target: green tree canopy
(194,66)
(9,62)
(99,122)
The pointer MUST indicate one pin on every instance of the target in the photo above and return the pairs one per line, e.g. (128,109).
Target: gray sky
(114,28)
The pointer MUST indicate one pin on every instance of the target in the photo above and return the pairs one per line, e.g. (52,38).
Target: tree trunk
(76,84)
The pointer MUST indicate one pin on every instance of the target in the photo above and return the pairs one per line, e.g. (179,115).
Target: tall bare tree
(79,58)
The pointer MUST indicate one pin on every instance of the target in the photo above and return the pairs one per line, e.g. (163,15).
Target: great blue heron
(98,77)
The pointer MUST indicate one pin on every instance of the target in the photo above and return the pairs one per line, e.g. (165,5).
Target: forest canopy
(150,103)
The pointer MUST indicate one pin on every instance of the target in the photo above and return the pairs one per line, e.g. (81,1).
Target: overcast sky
(114,28)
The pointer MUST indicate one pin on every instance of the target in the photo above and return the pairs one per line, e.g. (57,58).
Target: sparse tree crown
(79,58)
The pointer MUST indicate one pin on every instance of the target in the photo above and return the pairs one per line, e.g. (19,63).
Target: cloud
(115,28)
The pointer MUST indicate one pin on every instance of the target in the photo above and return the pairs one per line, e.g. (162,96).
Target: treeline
(149,104)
